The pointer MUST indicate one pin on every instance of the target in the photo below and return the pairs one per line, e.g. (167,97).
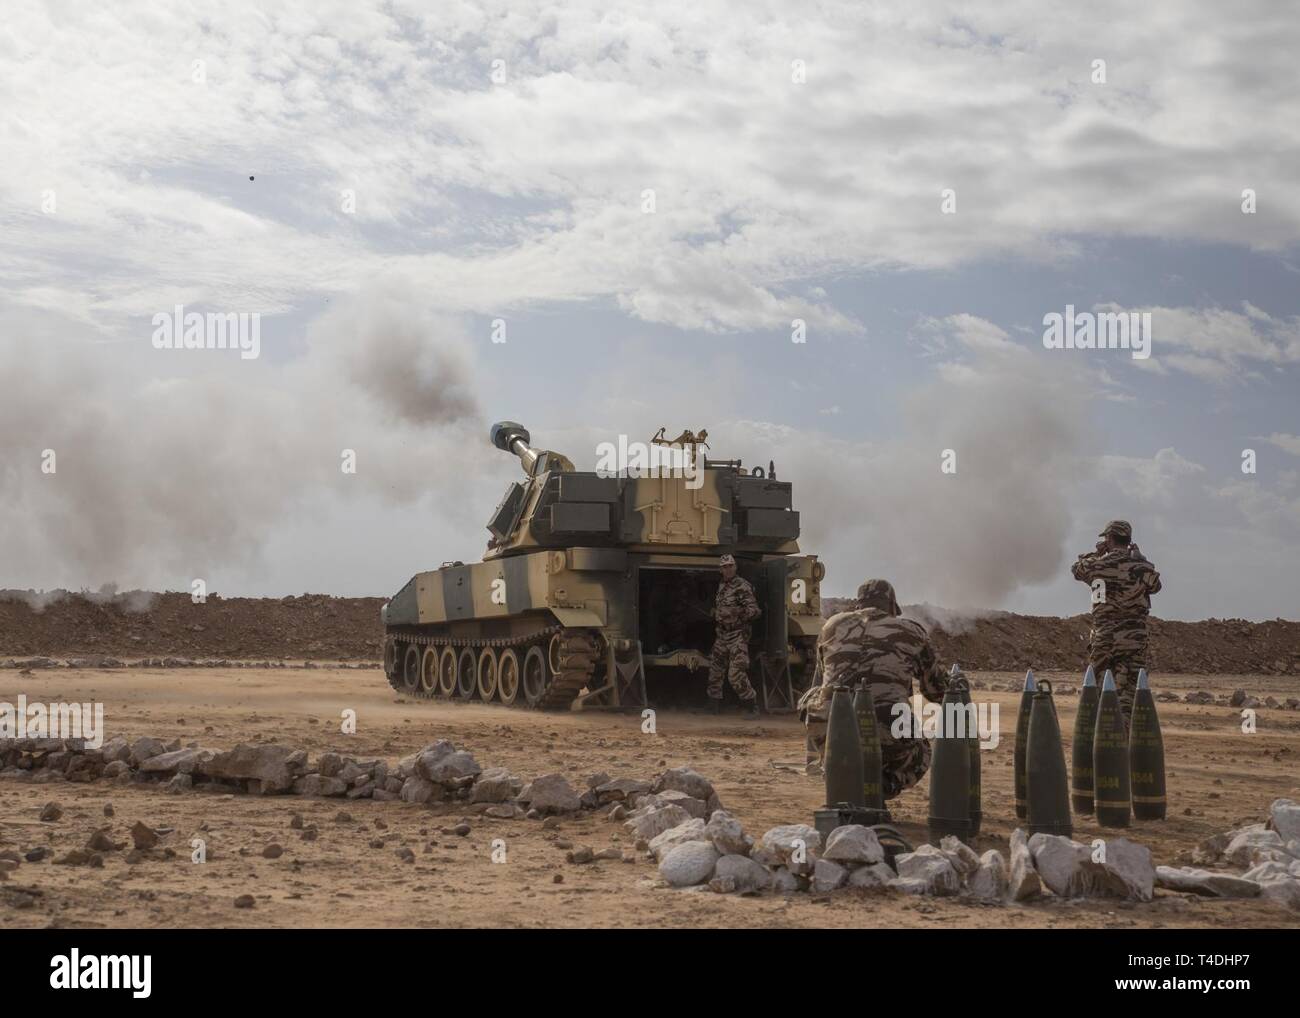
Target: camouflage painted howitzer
(591,584)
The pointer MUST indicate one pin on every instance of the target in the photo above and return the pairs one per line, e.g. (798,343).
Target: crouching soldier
(871,643)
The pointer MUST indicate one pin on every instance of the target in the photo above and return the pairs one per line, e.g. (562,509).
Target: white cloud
(1287,443)
(1158,479)
(496,195)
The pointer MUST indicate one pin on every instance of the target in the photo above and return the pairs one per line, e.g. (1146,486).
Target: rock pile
(1268,853)
(437,772)
(678,822)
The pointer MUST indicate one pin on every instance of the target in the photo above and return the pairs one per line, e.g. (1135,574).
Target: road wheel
(429,671)
(553,653)
(447,672)
(537,675)
(508,676)
(487,675)
(411,668)
(466,674)
(392,658)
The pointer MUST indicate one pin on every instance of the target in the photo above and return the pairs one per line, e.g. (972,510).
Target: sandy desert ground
(1219,778)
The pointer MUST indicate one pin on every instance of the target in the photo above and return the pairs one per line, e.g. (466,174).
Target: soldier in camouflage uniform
(870,642)
(733,611)
(1122,581)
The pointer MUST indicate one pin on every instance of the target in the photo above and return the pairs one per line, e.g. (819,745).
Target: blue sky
(419,174)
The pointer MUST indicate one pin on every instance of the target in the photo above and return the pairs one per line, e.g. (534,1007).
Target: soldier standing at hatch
(1122,581)
(870,642)
(733,610)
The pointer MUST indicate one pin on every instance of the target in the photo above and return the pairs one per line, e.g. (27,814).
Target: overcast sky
(648,199)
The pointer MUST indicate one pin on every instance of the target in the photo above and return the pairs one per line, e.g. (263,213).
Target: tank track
(578,653)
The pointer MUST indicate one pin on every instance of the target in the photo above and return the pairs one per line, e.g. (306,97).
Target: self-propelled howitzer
(596,588)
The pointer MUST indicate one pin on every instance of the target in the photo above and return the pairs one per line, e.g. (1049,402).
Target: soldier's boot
(814,747)
(751,710)
(715,706)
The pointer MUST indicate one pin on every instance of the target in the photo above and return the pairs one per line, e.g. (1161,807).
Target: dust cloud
(967,539)
(158,477)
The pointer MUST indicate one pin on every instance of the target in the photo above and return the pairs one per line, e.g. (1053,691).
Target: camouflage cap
(1120,528)
(727,560)
(878,594)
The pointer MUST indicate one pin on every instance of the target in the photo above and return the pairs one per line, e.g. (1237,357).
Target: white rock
(961,855)
(910,885)
(784,881)
(1063,865)
(1069,870)
(665,841)
(1204,882)
(932,868)
(875,875)
(656,821)
(727,835)
(684,779)
(853,843)
(1130,869)
(695,807)
(145,747)
(452,767)
(828,876)
(180,761)
(496,784)
(748,875)
(989,882)
(1024,879)
(1249,847)
(551,793)
(1276,883)
(689,864)
(319,785)
(417,789)
(274,767)
(1284,817)
(790,845)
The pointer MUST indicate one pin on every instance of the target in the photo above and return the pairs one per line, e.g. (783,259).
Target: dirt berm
(319,627)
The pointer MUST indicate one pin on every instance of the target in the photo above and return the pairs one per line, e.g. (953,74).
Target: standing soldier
(733,611)
(870,643)
(1122,582)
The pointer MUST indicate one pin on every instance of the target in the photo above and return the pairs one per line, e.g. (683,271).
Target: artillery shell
(1022,741)
(1110,767)
(1085,725)
(1048,790)
(843,766)
(950,772)
(1146,755)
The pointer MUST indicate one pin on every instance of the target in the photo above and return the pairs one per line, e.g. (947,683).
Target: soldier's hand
(1101,545)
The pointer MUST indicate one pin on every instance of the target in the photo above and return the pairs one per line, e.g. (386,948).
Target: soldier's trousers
(904,762)
(730,659)
(1124,666)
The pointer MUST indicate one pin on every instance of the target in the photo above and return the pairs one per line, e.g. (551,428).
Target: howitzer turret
(593,581)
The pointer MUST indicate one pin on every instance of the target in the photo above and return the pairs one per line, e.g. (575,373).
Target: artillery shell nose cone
(1090,677)
(1108,682)
(1143,682)
(1030,685)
